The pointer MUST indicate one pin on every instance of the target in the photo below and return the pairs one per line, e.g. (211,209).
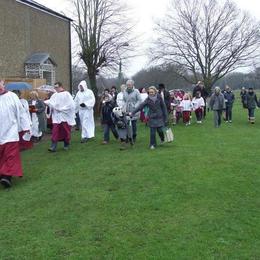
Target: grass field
(196,198)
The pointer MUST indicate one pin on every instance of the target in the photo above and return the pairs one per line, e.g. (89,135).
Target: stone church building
(35,42)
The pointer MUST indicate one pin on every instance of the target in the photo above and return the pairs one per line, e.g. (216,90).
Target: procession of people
(25,121)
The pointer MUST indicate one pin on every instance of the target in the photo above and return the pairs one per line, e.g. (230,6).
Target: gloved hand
(82,105)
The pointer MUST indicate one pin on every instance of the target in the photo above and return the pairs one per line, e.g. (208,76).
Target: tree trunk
(93,85)
(208,84)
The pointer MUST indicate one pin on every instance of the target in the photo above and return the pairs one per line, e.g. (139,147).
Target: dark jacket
(40,106)
(229,98)
(157,111)
(251,100)
(202,91)
(167,98)
(106,112)
(243,94)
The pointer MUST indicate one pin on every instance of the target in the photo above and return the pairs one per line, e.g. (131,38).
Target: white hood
(83,83)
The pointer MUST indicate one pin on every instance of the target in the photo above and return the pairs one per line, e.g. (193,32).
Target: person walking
(38,116)
(108,104)
(85,102)
(165,94)
(131,100)
(217,104)
(198,106)
(251,103)
(229,100)
(157,115)
(13,118)
(120,96)
(204,94)
(62,108)
(243,94)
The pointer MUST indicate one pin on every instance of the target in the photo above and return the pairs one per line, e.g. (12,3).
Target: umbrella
(18,86)
(46,88)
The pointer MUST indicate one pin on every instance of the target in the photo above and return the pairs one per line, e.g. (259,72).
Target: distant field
(196,198)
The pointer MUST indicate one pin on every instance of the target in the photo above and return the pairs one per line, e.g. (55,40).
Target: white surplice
(62,108)
(86,114)
(13,118)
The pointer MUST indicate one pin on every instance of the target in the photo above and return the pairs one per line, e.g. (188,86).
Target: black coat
(157,113)
(202,91)
(106,112)
(167,98)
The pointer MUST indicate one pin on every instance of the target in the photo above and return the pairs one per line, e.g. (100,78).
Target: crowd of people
(24,122)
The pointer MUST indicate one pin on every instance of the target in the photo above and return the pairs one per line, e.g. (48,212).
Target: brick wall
(24,31)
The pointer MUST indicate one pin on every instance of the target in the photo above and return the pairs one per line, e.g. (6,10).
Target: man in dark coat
(251,104)
(229,100)
(165,96)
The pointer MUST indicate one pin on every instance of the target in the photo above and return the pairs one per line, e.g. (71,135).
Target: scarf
(153,98)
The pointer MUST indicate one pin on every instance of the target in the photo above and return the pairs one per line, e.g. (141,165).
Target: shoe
(162,142)
(66,148)
(105,142)
(123,146)
(52,150)
(84,140)
(230,121)
(152,147)
(6,183)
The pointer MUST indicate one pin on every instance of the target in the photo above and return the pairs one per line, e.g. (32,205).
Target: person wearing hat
(62,109)
(13,118)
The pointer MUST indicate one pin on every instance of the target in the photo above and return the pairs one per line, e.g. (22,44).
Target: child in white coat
(198,106)
(187,107)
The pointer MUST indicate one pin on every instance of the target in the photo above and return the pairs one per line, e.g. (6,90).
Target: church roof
(43,8)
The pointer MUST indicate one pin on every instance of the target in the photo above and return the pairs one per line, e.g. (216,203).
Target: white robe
(13,118)
(62,108)
(86,114)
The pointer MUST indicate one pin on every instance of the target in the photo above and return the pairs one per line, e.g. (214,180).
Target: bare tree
(206,38)
(104,34)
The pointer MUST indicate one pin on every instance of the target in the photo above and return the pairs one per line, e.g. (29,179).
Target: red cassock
(61,132)
(10,162)
(24,145)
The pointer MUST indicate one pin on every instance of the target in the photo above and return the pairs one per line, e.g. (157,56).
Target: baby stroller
(124,127)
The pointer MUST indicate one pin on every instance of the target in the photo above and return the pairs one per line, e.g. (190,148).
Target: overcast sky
(145,12)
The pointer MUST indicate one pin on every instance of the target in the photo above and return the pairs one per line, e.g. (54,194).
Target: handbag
(169,136)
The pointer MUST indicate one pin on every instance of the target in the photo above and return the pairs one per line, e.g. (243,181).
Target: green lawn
(196,198)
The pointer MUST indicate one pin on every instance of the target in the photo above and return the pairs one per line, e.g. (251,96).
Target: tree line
(205,40)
